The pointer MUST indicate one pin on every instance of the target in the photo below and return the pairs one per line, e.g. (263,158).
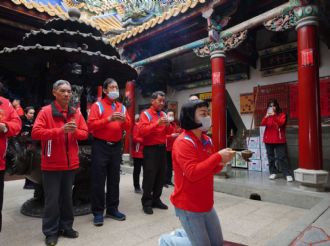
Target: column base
(313,180)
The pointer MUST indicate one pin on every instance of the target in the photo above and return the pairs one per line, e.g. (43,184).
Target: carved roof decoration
(120,19)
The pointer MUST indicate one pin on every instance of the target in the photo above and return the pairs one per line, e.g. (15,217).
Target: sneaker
(70,233)
(159,205)
(272,176)
(138,190)
(51,240)
(148,210)
(98,220)
(116,215)
(289,178)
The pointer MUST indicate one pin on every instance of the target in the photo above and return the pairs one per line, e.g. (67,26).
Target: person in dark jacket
(59,127)
(10,125)
(27,124)
(275,140)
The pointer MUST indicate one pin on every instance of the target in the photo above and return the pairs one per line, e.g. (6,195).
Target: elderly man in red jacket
(10,125)
(59,127)
(153,128)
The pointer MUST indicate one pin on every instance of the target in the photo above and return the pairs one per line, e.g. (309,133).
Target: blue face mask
(113,95)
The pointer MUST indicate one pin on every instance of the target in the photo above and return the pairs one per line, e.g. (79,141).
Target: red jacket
(19,110)
(8,116)
(100,127)
(137,146)
(275,128)
(171,137)
(150,131)
(59,149)
(194,162)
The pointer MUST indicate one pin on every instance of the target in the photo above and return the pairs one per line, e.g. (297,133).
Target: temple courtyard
(244,221)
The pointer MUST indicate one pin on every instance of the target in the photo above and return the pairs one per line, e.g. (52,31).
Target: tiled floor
(243,221)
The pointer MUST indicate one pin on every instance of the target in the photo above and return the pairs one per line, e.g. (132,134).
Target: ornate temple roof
(119,19)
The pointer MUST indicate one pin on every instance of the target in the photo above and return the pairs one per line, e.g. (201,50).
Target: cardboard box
(263,154)
(256,155)
(254,143)
(233,162)
(265,166)
(255,165)
(240,162)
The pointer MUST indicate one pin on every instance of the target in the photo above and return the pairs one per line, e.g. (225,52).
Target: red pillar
(130,97)
(310,141)
(99,92)
(218,99)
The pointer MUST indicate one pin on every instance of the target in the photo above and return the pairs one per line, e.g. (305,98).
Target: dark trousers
(169,167)
(106,161)
(2,181)
(277,153)
(138,163)
(58,210)
(154,171)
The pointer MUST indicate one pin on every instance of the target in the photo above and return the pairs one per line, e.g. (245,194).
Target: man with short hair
(106,122)
(10,125)
(153,128)
(59,126)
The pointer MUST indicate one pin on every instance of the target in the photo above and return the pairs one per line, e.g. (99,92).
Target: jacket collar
(107,100)
(56,112)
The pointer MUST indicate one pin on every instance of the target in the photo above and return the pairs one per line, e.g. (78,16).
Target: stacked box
(239,161)
(255,165)
(254,146)
(263,152)
(233,162)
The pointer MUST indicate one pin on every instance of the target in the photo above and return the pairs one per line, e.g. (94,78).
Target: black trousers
(169,168)
(58,210)
(154,171)
(138,163)
(2,181)
(277,153)
(106,160)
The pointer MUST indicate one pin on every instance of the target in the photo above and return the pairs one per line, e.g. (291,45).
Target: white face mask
(113,95)
(206,123)
(170,118)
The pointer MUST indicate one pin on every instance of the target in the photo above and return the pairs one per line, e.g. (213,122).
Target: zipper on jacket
(67,144)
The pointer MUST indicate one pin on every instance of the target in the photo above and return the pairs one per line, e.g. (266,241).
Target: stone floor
(243,221)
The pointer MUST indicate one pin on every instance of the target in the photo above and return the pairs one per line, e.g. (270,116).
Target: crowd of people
(161,144)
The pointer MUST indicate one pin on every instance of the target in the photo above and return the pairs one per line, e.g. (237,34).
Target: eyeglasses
(272,105)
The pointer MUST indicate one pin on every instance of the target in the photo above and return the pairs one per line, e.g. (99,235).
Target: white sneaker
(289,178)
(272,176)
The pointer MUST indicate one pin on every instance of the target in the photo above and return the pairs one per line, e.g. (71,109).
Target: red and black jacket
(59,149)
(275,128)
(10,118)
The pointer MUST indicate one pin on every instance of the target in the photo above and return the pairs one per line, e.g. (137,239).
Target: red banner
(324,98)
